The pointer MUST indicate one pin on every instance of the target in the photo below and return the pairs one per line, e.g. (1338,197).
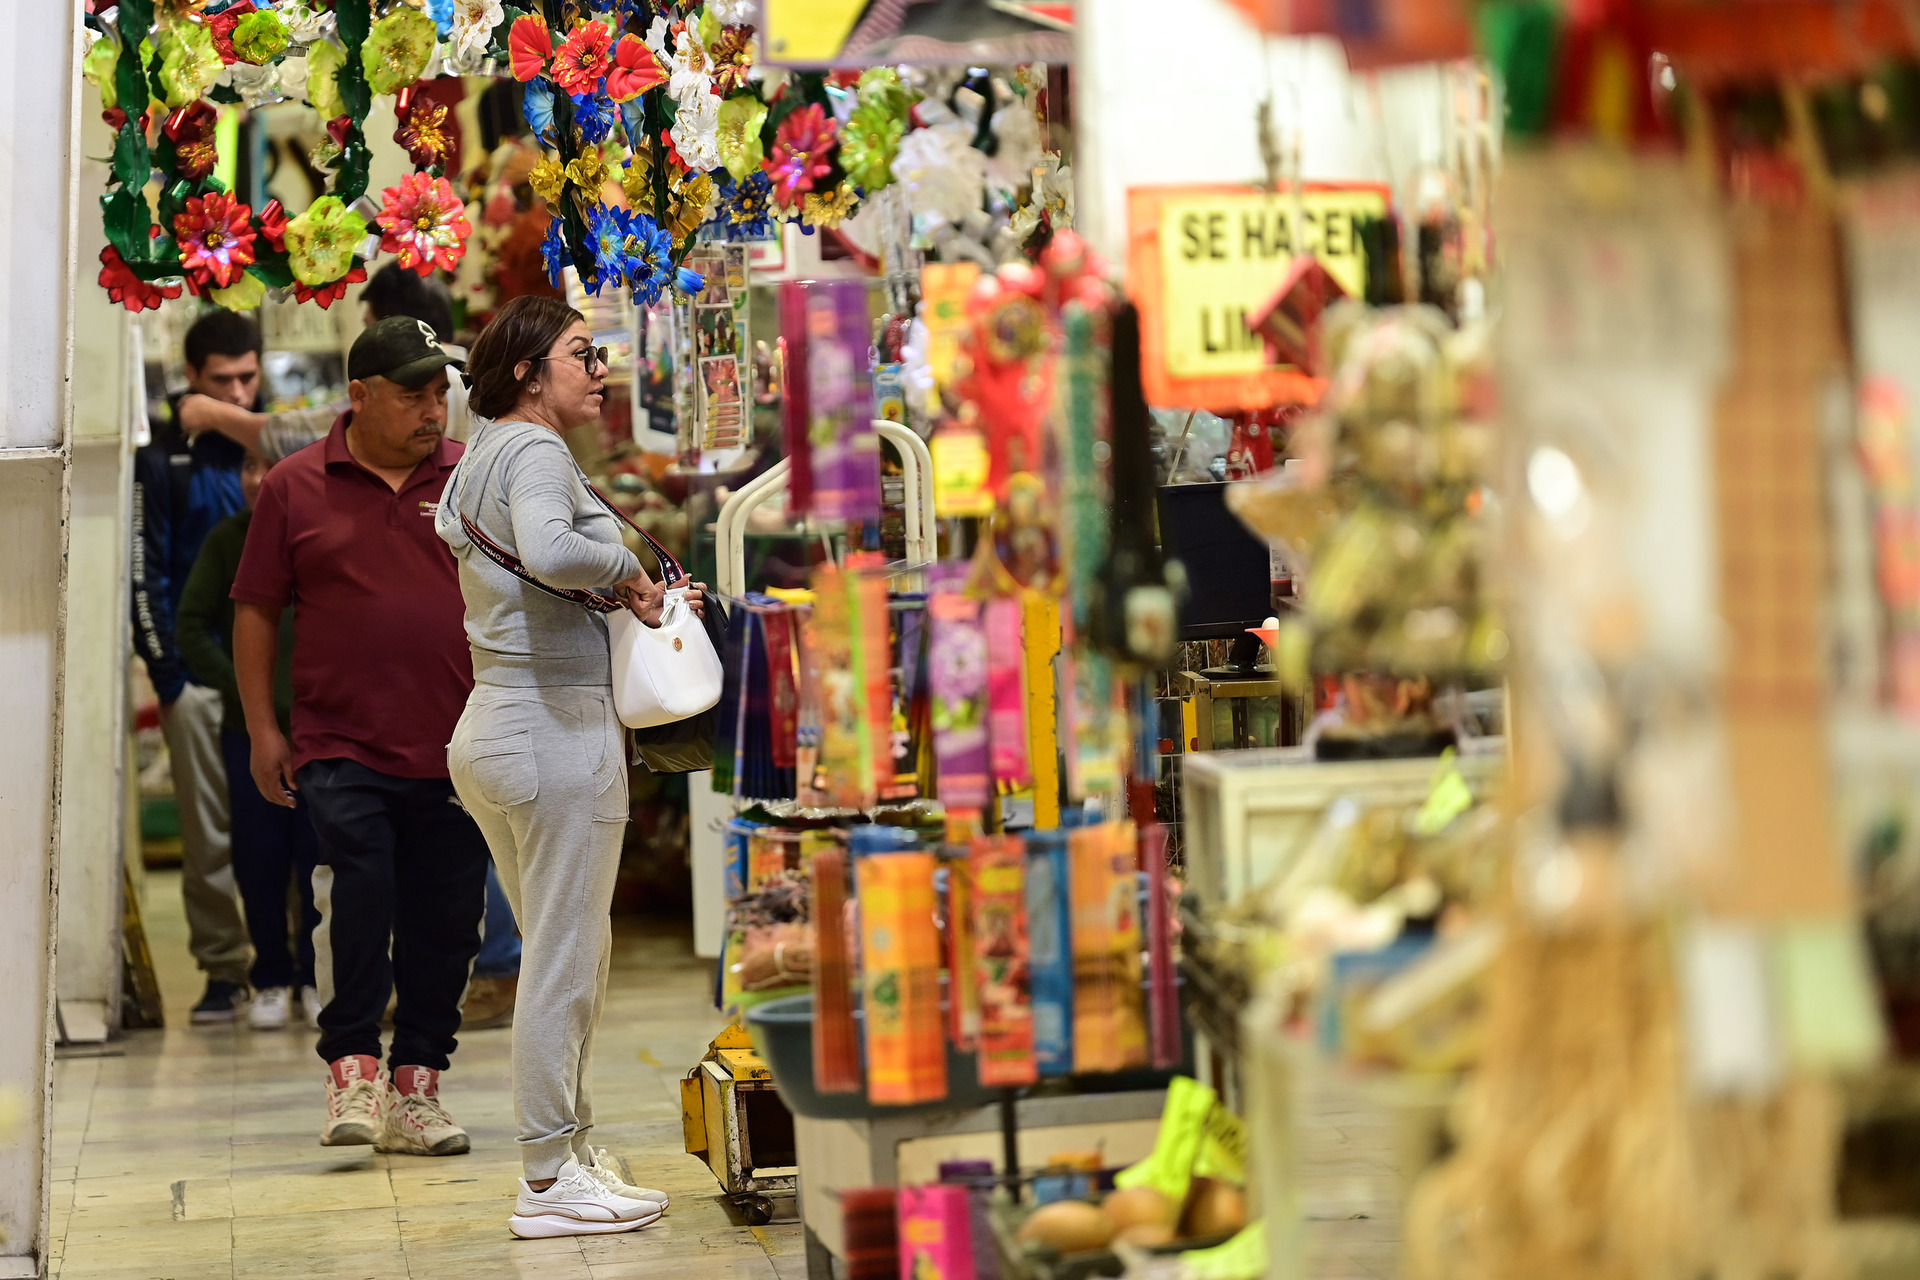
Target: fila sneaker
(358,1098)
(417,1125)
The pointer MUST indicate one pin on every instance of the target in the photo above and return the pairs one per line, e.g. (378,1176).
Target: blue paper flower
(553,252)
(593,112)
(747,210)
(649,252)
(612,232)
(536,103)
(441,11)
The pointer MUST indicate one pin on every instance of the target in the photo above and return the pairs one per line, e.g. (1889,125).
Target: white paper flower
(306,23)
(733,13)
(473,24)
(696,131)
(943,176)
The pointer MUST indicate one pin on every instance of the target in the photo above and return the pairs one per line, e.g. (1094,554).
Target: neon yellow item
(1223,1149)
(1242,1258)
(1183,1125)
(1449,798)
(1042,632)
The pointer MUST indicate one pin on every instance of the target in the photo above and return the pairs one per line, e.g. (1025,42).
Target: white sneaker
(577,1204)
(269,1011)
(607,1173)
(311,1006)
(417,1125)
(358,1099)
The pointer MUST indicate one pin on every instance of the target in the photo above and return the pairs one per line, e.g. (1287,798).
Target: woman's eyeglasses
(589,358)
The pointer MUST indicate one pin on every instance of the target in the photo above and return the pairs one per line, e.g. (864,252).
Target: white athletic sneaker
(358,1099)
(269,1011)
(577,1204)
(310,1005)
(607,1173)
(417,1125)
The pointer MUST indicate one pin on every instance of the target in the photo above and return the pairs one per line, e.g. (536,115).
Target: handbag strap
(591,600)
(671,569)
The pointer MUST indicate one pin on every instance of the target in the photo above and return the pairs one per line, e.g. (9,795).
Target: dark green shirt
(203,629)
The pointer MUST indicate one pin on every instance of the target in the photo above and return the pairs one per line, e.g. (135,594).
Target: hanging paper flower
(635,70)
(128,289)
(731,13)
(696,132)
(588,171)
(536,104)
(191,130)
(529,45)
(324,62)
(750,208)
(273,225)
(608,230)
(260,37)
(649,253)
(220,26)
(473,24)
(441,11)
(244,294)
(398,49)
(831,209)
(553,253)
(692,205)
(328,294)
(307,20)
(583,57)
(321,242)
(801,153)
(424,224)
(687,68)
(189,62)
(593,115)
(869,144)
(426,135)
(100,67)
(883,87)
(548,179)
(731,58)
(215,235)
(738,135)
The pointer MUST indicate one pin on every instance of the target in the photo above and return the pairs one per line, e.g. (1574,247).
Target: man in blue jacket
(182,488)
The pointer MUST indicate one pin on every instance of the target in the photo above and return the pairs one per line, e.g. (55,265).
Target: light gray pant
(543,771)
(216,933)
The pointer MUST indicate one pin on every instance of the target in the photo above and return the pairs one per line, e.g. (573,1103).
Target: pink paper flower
(802,153)
(423,224)
(215,235)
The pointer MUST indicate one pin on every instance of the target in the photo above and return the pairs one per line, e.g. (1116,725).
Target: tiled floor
(192,1152)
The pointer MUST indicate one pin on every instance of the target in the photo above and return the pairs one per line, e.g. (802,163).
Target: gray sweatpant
(543,771)
(216,934)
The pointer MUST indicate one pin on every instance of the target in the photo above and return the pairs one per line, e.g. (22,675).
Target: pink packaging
(936,1233)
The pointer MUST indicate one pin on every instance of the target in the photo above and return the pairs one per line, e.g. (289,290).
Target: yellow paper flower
(189,62)
(829,210)
(324,61)
(589,171)
(321,241)
(741,119)
(99,67)
(692,206)
(244,294)
(398,49)
(548,179)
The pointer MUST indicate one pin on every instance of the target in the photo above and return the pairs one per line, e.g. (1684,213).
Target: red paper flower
(634,71)
(673,152)
(220,26)
(529,45)
(273,225)
(579,63)
(216,236)
(115,117)
(128,289)
(190,129)
(425,134)
(328,294)
(731,58)
(802,153)
(423,224)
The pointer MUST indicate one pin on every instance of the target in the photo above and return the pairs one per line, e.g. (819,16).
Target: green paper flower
(708,27)
(243,294)
(883,87)
(189,62)
(869,144)
(324,62)
(98,67)
(260,37)
(321,242)
(741,119)
(398,49)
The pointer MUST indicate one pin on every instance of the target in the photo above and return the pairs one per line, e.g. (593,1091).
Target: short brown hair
(523,330)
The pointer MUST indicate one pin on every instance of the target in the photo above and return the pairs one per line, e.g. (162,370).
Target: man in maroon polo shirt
(343,531)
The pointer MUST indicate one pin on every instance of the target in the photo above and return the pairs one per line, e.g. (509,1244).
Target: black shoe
(222,1003)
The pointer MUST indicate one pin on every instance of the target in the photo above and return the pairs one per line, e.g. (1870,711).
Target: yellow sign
(1224,255)
(807,32)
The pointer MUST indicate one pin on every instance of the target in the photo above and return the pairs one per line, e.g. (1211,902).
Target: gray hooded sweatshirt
(521,486)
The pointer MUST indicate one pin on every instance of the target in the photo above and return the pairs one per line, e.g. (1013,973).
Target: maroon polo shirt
(381,668)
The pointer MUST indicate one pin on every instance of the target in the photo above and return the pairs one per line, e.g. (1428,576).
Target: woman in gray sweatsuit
(539,757)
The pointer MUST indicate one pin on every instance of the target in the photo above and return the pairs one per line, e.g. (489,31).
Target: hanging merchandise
(1133,614)
(1050,947)
(1109,1030)
(1006,695)
(836,1035)
(1002,960)
(936,1233)
(844,775)
(1164,996)
(900,959)
(844,449)
(957,667)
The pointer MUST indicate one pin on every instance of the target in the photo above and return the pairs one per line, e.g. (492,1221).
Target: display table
(841,1155)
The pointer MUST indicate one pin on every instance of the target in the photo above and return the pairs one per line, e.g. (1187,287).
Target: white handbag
(661,673)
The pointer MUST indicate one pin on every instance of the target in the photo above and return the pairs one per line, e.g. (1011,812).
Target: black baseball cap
(399,349)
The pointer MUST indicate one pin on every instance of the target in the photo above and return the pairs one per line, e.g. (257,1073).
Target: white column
(38,243)
(93,763)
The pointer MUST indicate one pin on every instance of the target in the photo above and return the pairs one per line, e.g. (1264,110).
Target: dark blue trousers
(272,848)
